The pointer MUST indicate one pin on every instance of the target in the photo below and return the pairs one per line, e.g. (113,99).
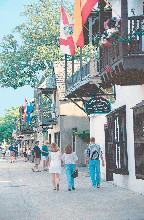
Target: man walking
(37,157)
(92,154)
(12,153)
(45,152)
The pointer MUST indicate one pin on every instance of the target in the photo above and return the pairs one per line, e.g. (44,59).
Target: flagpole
(111,7)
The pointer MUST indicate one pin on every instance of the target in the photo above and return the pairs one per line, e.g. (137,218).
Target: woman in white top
(70,158)
(55,165)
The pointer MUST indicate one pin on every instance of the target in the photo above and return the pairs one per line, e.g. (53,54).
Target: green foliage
(7,124)
(22,63)
(84,135)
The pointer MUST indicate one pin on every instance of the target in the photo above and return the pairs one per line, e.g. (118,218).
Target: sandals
(57,187)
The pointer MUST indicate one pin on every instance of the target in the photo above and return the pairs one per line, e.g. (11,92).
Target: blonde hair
(54,147)
(46,142)
(68,149)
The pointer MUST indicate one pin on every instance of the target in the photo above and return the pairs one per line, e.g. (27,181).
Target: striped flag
(25,110)
(66,34)
(82,9)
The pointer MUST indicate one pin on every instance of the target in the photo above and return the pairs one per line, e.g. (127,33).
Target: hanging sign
(97,105)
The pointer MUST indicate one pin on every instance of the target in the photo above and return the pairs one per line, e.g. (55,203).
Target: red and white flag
(25,110)
(66,34)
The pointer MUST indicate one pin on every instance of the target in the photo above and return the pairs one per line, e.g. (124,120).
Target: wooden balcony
(123,63)
(26,128)
(45,118)
(84,82)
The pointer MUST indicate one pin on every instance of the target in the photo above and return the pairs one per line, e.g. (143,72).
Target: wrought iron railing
(132,44)
(78,75)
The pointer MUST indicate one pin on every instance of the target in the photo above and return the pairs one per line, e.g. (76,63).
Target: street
(27,195)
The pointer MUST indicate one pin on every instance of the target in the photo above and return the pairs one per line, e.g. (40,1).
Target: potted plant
(111,26)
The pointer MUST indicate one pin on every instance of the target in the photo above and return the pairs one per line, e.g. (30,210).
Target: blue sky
(10,17)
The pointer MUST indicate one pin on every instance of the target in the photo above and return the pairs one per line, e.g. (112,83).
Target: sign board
(97,105)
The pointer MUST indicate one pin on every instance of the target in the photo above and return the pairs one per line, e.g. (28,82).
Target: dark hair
(92,139)
(68,149)
(36,142)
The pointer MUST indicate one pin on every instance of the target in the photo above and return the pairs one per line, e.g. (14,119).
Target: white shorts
(44,157)
(37,161)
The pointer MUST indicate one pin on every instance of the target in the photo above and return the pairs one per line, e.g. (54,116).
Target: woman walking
(70,158)
(55,165)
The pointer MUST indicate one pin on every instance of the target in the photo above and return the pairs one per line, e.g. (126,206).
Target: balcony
(123,63)
(26,128)
(46,116)
(84,82)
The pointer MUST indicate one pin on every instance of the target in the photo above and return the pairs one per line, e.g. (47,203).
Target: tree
(8,124)
(21,63)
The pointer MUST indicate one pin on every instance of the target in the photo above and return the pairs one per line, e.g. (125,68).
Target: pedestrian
(69,158)
(29,154)
(15,148)
(12,153)
(93,154)
(37,157)
(45,151)
(3,151)
(24,150)
(55,165)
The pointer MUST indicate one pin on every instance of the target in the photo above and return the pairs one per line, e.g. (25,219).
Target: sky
(9,18)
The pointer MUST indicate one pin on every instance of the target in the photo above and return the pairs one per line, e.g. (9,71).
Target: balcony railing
(133,45)
(47,117)
(26,128)
(79,75)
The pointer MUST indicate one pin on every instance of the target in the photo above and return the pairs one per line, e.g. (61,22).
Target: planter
(103,41)
(112,31)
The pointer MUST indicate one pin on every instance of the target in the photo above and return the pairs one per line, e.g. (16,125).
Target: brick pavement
(25,195)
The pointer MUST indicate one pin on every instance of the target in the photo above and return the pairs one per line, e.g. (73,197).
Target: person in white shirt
(69,158)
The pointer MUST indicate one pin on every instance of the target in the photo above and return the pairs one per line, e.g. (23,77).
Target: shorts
(44,157)
(12,153)
(25,154)
(37,161)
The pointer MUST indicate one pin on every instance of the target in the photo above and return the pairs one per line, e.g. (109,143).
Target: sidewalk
(29,196)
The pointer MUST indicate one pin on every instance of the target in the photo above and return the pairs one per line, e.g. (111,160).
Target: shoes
(54,188)
(73,188)
(69,189)
(98,186)
(57,187)
(33,169)
(38,171)
(94,186)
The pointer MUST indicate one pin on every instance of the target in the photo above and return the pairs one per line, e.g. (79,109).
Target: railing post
(81,62)
(72,68)
(124,25)
(65,72)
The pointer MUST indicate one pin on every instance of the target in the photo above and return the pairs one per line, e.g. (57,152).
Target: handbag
(75,173)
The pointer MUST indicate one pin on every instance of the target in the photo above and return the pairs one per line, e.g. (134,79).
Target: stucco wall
(129,96)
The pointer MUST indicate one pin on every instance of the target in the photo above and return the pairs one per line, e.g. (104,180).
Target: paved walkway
(25,195)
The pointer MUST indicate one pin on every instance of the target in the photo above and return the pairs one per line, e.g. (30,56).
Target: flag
(66,34)
(29,110)
(82,9)
(14,133)
(25,110)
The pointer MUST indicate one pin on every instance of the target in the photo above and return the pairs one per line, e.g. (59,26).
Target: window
(138,115)
(57,138)
(73,143)
(50,138)
(117,140)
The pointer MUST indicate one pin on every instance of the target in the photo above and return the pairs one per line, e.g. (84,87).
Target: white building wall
(129,96)
(97,131)
(137,5)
